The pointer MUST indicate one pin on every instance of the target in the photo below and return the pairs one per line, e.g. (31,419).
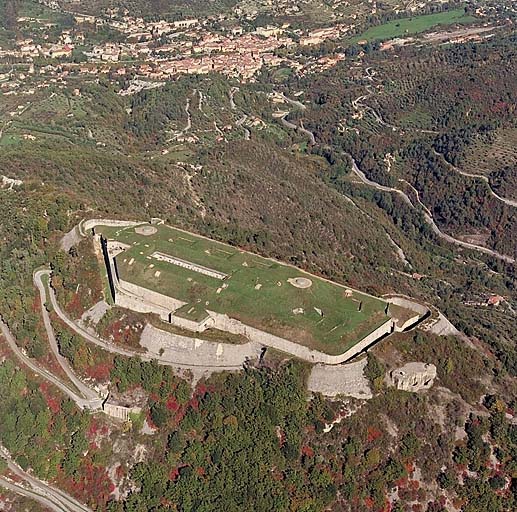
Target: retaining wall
(144,300)
(90,223)
(120,412)
(137,298)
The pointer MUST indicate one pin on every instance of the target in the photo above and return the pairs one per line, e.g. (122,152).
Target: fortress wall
(386,328)
(225,323)
(154,301)
(186,350)
(127,301)
(407,324)
(120,412)
(407,303)
(191,325)
(90,223)
(137,298)
(140,299)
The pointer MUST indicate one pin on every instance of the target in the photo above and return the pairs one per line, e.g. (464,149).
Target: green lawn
(413,25)
(269,306)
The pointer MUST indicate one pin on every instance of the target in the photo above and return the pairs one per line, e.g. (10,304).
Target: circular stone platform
(300,282)
(145,230)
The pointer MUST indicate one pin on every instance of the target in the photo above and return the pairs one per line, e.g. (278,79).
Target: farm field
(324,316)
(414,25)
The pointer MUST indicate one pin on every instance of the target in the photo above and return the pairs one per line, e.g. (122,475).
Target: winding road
(82,403)
(87,392)
(427,214)
(51,497)
(299,105)
(358,104)
(505,200)
(244,118)
(188,126)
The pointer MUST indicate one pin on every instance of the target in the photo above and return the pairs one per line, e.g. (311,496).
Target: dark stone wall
(105,254)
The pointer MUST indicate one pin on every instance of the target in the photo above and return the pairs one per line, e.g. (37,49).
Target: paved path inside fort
(186,350)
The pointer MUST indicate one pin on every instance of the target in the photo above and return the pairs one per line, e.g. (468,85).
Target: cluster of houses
(162,49)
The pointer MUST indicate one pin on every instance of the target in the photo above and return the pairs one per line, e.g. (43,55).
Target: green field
(269,306)
(414,25)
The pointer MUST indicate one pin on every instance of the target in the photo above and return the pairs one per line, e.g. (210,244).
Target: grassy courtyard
(256,290)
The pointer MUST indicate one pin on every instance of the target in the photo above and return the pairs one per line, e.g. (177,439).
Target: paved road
(81,402)
(41,491)
(509,202)
(293,126)
(87,392)
(233,90)
(40,498)
(244,118)
(188,126)
(358,104)
(295,103)
(115,349)
(427,215)
(299,105)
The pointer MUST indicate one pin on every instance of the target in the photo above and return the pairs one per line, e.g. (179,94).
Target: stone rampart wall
(90,223)
(404,302)
(141,299)
(147,301)
(408,323)
(408,304)
(225,323)
(120,412)
(138,298)
(386,328)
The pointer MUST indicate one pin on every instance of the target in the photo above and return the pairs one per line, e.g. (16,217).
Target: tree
(374,372)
